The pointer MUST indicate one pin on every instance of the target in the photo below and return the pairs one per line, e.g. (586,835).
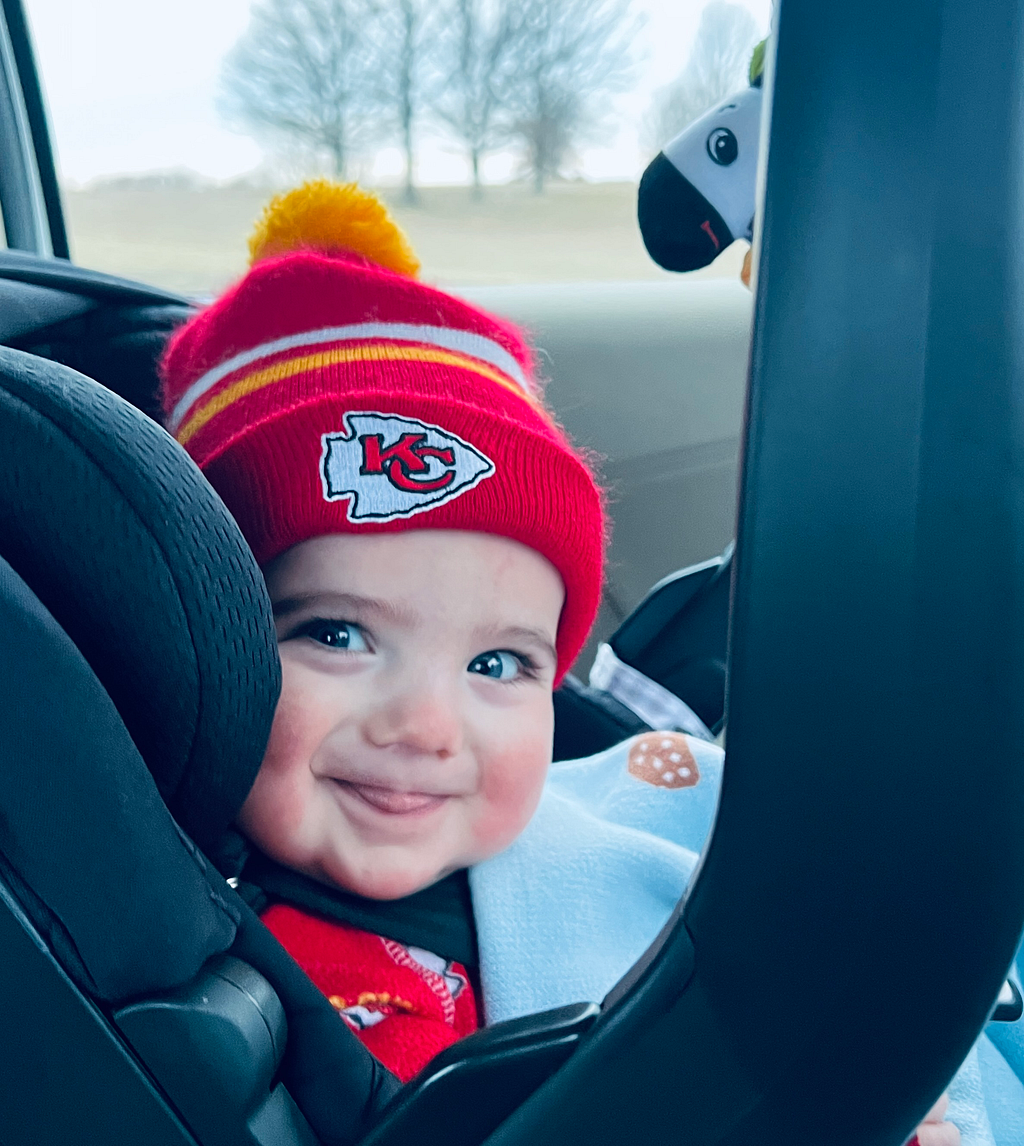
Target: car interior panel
(29,93)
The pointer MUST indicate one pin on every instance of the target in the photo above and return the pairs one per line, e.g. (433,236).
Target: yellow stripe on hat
(289,367)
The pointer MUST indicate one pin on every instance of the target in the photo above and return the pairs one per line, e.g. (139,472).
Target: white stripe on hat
(464,341)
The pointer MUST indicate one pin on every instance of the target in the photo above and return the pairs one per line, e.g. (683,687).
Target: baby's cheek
(510,793)
(273,812)
(299,723)
(276,809)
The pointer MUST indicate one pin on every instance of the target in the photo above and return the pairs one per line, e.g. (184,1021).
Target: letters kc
(391,467)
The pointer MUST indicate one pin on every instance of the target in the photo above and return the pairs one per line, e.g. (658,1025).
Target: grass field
(192,239)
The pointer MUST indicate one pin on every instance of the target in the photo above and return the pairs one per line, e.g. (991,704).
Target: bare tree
(565,57)
(298,73)
(401,35)
(717,66)
(475,43)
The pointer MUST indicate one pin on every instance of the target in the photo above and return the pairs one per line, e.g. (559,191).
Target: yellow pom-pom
(329,216)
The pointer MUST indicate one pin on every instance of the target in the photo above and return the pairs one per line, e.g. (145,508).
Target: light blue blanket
(565,911)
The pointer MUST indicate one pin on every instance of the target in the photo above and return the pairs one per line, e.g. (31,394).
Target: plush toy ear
(756,72)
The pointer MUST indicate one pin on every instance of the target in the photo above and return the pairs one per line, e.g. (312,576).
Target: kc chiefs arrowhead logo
(392,467)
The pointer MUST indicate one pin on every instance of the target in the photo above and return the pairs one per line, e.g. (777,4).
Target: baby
(433,548)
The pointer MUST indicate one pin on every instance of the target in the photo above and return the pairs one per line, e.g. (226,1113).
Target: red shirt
(405,1004)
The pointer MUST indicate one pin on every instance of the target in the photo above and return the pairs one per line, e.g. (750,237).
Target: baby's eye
(335,635)
(498,665)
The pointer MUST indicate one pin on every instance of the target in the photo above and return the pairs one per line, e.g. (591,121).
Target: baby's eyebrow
(337,604)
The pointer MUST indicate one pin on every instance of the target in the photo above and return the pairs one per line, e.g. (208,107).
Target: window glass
(162,121)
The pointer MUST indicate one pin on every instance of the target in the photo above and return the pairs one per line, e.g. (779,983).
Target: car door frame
(30,199)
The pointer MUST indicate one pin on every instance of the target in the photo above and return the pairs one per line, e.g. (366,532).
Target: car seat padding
(103,514)
(678,636)
(86,843)
(65,1075)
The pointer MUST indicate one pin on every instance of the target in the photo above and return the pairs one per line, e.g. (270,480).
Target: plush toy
(697,195)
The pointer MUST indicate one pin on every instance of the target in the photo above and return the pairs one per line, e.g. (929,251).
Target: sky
(131,88)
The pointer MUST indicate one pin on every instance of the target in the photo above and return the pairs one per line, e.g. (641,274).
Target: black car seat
(678,637)
(664,667)
(109,328)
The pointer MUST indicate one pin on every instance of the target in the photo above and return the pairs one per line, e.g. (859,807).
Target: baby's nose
(422,715)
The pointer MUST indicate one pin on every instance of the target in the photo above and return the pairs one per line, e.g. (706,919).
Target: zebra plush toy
(697,195)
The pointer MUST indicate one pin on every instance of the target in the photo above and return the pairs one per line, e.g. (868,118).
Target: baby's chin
(384,883)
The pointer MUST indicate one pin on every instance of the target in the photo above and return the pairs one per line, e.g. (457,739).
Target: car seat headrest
(115,530)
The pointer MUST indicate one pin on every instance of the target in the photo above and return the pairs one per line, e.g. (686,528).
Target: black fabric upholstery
(118,346)
(115,530)
(86,843)
(678,636)
(588,720)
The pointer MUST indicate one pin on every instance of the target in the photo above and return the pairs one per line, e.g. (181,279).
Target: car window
(168,141)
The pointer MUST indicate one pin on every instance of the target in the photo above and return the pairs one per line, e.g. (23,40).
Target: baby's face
(414,729)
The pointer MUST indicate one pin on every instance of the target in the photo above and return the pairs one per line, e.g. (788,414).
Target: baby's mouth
(391,802)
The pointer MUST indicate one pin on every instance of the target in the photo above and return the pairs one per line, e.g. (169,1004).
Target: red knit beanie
(331,392)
